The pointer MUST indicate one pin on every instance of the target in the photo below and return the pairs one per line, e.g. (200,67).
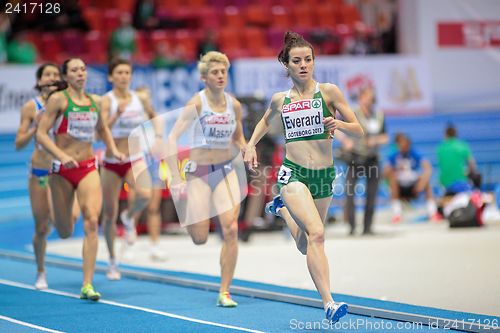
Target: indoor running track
(133,305)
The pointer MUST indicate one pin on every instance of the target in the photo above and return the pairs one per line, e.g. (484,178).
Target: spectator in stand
(456,164)
(122,43)
(166,58)
(145,17)
(20,50)
(208,43)
(387,33)
(4,30)
(409,174)
(359,43)
(69,17)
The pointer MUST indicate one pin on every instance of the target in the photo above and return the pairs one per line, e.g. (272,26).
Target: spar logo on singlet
(303,118)
(217,119)
(218,126)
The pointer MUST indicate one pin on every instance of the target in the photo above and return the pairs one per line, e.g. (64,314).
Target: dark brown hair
(292,39)
(451,131)
(64,68)
(401,137)
(41,69)
(117,62)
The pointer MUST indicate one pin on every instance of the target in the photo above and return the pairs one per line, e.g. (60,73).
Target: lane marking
(133,307)
(23,323)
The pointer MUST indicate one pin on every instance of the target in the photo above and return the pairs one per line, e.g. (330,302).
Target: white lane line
(133,307)
(23,323)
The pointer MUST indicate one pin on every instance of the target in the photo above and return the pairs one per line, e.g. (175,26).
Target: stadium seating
(244,27)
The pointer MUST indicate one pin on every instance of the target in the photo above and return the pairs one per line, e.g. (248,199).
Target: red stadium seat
(218,4)
(229,38)
(103,4)
(73,43)
(157,36)
(195,4)
(280,17)
(275,37)
(233,18)
(144,53)
(188,39)
(170,4)
(326,16)
(265,52)
(303,16)
(124,5)
(257,15)
(236,53)
(208,18)
(349,14)
(51,48)
(96,48)
(265,3)
(94,17)
(111,19)
(241,4)
(255,38)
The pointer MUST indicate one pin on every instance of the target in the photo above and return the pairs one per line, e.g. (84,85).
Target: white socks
(431,207)
(396,207)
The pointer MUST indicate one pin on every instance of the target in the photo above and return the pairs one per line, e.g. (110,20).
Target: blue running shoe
(273,207)
(335,311)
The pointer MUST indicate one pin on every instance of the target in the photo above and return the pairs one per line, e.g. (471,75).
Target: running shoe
(157,254)
(41,282)
(334,311)
(128,252)
(113,273)
(88,292)
(226,301)
(273,207)
(129,224)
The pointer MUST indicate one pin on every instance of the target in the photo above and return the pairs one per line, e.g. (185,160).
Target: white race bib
(218,130)
(81,125)
(127,122)
(303,118)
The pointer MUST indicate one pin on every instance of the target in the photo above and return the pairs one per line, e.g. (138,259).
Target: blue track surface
(69,314)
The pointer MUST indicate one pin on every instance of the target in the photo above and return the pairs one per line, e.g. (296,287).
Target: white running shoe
(128,253)
(157,254)
(129,224)
(41,282)
(334,311)
(113,273)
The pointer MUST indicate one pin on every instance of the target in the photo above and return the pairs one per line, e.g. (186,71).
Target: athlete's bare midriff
(212,156)
(79,150)
(315,154)
(123,147)
(41,159)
